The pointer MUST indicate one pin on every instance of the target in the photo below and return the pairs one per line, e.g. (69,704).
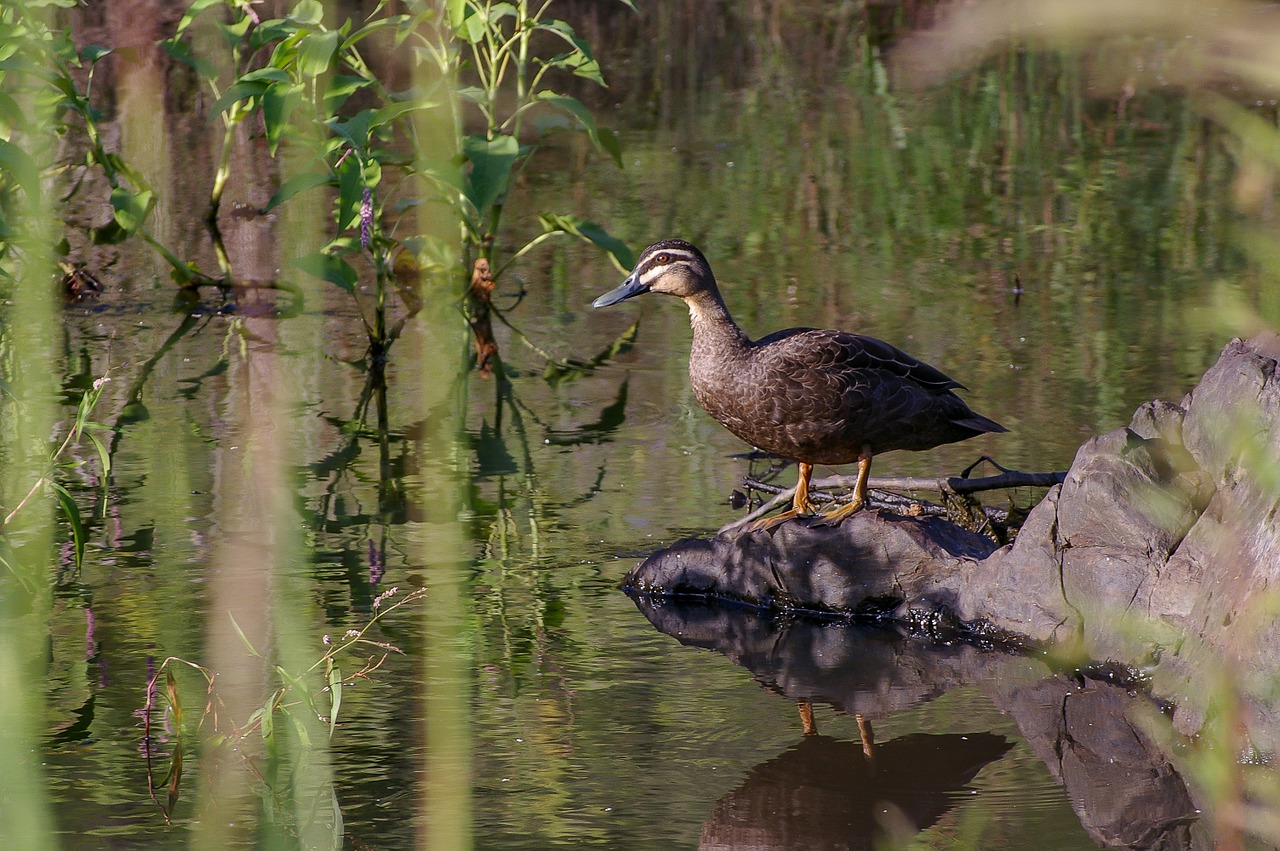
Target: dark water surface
(821,199)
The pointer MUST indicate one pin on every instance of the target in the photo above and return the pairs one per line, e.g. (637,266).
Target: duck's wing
(799,350)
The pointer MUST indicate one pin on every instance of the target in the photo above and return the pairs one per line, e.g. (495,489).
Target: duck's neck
(714,331)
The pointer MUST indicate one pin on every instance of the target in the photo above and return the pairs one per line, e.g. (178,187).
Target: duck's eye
(662,259)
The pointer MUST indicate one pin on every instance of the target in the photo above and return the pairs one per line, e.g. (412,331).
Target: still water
(1056,255)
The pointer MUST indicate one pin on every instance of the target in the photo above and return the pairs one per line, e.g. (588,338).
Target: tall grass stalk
(28,328)
(439,542)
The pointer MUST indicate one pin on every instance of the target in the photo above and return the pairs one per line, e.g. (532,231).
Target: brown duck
(815,397)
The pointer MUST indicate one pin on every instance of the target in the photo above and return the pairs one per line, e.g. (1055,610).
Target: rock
(874,563)
(1159,550)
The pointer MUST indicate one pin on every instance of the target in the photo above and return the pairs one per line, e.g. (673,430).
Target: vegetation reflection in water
(533,706)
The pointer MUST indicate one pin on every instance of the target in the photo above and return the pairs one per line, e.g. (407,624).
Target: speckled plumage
(813,396)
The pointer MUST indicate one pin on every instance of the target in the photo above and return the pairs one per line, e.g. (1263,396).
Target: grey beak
(628,288)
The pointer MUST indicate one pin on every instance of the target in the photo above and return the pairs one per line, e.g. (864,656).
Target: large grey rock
(1161,549)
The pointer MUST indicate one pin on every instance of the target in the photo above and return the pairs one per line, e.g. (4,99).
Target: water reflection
(826,793)
(1124,790)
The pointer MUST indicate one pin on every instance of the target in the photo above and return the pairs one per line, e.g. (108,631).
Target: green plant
(80,426)
(312,88)
(39,71)
(297,698)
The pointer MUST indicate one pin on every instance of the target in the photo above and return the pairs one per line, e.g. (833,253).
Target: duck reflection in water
(826,793)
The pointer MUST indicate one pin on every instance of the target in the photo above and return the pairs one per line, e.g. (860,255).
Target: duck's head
(673,267)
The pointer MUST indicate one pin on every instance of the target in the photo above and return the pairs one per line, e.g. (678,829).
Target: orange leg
(859,498)
(800,503)
(806,718)
(868,737)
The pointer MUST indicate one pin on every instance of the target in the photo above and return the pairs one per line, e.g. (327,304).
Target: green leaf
(237,92)
(131,208)
(472,27)
(498,11)
(619,252)
(93,52)
(72,512)
(195,10)
(355,130)
(11,115)
(22,167)
(244,638)
(372,27)
(491,163)
(175,702)
(335,270)
(294,185)
(350,192)
(457,10)
(308,13)
(335,693)
(579,59)
(394,110)
(606,142)
(104,458)
(278,103)
(341,87)
(316,51)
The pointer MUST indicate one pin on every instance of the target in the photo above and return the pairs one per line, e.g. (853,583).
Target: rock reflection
(824,793)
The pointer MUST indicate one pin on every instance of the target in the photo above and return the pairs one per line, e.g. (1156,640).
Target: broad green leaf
(350,192)
(395,110)
(340,87)
(278,103)
(294,185)
(316,52)
(474,94)
(309,13)
(372,27)
(457,10)
(22,167)
(72,513)
(579,60)
(335,270)
(237,92)
(267,75)
(491,163)
(354,130)
(195,10)
(606,142)
(93,52)
(131,208)
(473,26)
(618,251)
(498,11)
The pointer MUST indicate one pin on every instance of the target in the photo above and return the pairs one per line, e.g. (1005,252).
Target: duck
(808,395)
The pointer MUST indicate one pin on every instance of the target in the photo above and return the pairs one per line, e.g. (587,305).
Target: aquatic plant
(298,698)
(62,459)
(40,70)
(312,88)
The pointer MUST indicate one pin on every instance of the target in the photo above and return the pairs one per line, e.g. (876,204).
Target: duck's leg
(806,718)
(859,498)
(800,503)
